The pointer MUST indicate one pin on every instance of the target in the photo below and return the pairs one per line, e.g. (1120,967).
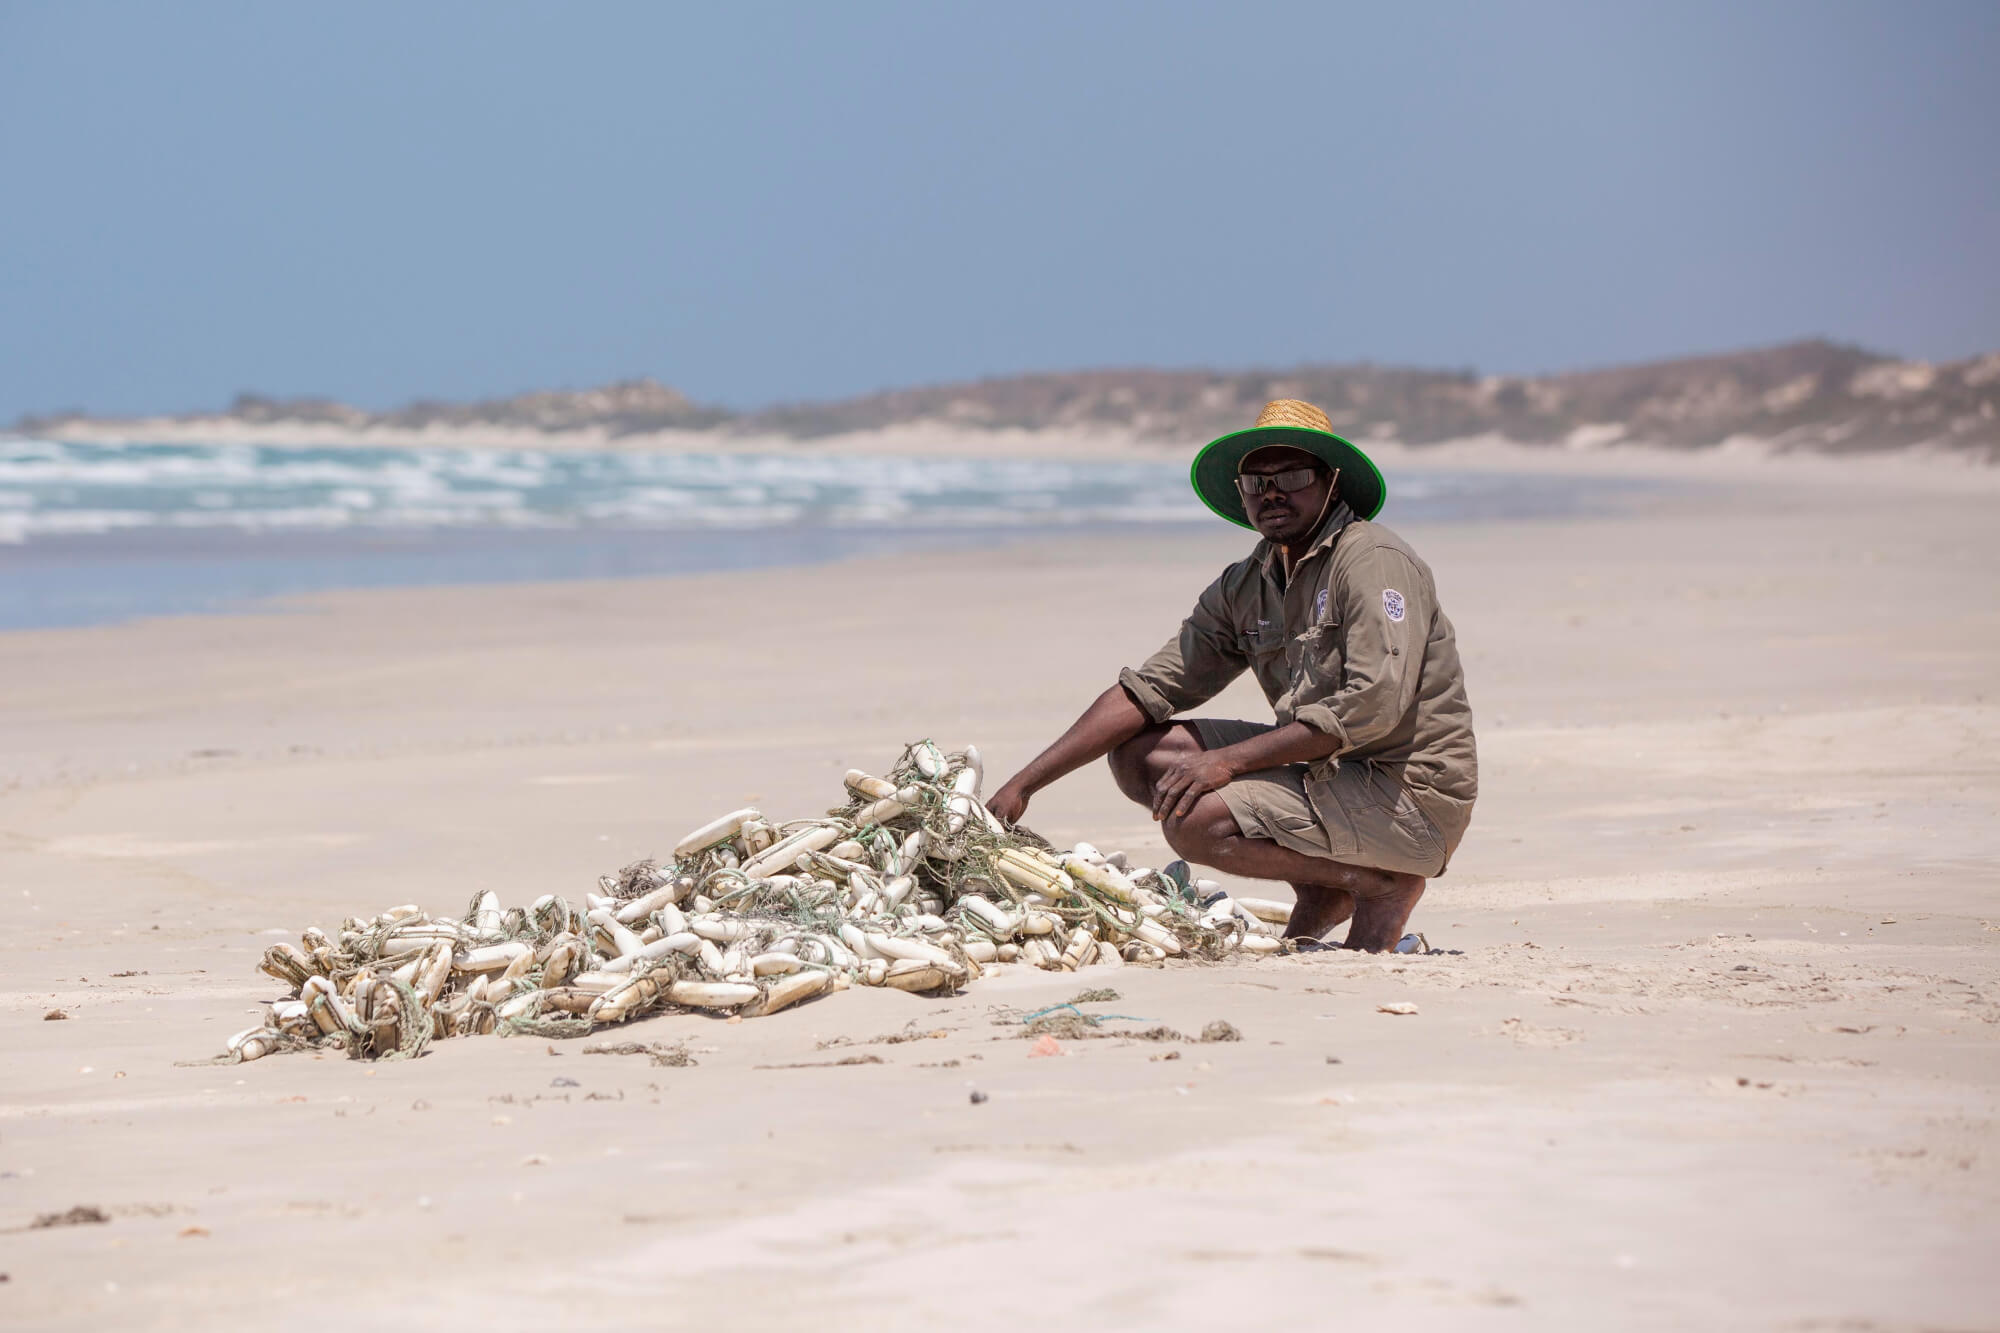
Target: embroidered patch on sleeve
(1392,603)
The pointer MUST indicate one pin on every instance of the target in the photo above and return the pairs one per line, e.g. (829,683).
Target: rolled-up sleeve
(1386,611)
(1192,667)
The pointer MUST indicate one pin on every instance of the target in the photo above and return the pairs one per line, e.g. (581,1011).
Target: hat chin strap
(1332,489)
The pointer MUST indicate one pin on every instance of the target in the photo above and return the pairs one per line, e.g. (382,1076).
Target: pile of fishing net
(909,884)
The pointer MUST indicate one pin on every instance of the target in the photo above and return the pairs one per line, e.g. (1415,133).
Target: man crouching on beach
(1364,786)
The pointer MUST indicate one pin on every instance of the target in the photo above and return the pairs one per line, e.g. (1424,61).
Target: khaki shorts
(1358,815)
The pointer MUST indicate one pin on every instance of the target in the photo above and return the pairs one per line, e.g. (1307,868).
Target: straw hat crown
(1296,425)
(1293,412)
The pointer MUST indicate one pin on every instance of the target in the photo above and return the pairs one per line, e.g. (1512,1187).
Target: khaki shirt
(1354,645)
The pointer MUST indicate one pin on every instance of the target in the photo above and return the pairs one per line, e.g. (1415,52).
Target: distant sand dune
(1809,396)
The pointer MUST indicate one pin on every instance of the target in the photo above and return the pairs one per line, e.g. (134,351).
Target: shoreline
(1584,452)
(70,555)
(216,561)
(76,581)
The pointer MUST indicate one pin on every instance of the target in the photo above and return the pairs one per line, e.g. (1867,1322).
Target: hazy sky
(769,202)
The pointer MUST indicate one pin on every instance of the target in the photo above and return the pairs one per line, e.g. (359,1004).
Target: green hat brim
(1214,472)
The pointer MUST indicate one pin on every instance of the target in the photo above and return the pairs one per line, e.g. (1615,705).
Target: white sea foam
(96,532)
(49,487)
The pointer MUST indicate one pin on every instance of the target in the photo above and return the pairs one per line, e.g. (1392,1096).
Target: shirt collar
(1336,521)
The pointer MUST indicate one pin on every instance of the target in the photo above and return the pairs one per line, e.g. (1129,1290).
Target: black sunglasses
(1253,484)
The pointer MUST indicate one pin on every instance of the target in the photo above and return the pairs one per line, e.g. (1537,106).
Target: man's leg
(1380,901)
(1318,910)
(1138,764)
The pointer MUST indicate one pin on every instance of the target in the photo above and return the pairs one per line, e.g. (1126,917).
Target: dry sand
(1713,1045)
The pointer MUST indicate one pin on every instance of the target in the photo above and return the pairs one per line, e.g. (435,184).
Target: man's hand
(1188,779)
(1108,723)
(1009,803)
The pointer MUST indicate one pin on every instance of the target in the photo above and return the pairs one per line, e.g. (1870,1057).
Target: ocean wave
(50,487)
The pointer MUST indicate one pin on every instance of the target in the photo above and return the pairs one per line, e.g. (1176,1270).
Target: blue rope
(1092,1019)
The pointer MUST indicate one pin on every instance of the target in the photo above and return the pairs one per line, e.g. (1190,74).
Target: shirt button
(1395,652)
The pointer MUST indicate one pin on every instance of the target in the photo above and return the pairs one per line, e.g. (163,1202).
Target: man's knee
(1129,768)
(1207,835)
(1136,764)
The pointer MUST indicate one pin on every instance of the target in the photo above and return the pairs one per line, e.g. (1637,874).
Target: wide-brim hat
(1295,425)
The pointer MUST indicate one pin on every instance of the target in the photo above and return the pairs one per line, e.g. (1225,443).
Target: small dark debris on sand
(1071,1027)
(81,1215)
(55,1015)
(829,1064)
(887,1039)
(672,1054)
(1102,995)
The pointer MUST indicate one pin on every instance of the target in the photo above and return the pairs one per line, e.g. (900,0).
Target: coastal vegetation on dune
(1811,396)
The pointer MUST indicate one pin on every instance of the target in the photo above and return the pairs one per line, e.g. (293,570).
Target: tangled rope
(910,884)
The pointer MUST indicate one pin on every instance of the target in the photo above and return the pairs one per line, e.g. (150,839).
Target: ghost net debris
(910,883)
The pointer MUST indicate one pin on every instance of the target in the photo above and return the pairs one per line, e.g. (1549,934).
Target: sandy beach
(1712,1042)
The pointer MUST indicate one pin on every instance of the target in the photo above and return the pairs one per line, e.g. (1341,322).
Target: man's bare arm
(1108,723)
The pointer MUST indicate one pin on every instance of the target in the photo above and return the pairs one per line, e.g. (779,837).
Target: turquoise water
(50,488)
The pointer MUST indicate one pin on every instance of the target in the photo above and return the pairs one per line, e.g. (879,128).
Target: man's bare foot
(1318,909)
(1379,920)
